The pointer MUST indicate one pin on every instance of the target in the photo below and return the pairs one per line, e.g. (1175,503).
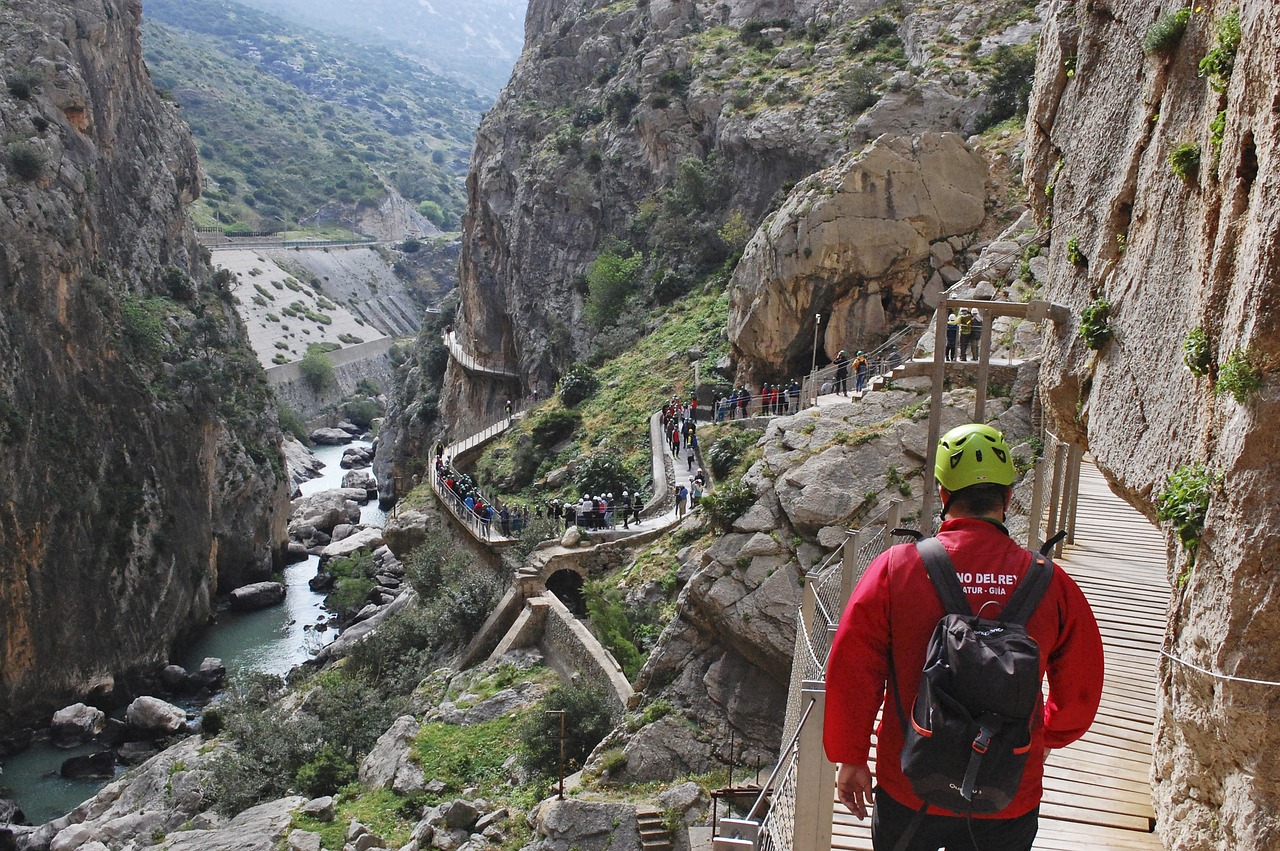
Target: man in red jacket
(895,604)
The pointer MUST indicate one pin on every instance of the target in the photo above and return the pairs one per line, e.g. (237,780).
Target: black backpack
(969,732)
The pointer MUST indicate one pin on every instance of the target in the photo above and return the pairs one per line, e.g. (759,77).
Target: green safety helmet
(973,454)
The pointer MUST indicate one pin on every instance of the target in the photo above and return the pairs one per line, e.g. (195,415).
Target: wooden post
(984,368)
(848,565)
(1054,523)
(815,777)
(1073,481)
(935,414)
(1037,505)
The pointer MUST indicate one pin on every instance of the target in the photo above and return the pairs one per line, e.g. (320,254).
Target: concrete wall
(371,360)
(572,649)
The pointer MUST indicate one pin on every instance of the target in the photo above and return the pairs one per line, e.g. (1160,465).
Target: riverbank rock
(322,511)
(301,462)
(259,595)
(406,531)
(94,766)
(390,765)
(331,437)
(368,538)
(76,724)
(258,828)
(360,479)
(152,717)
(354,457)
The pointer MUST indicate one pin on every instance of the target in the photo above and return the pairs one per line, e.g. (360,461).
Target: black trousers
(890,819)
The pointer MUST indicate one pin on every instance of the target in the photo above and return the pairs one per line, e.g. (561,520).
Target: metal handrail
(777,769)
(469,362)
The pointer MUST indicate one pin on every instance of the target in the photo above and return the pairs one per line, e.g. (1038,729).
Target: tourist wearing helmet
(881,644)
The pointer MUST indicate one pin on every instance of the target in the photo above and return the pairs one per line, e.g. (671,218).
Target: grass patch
(385,813)
(1165,34)
(468,756)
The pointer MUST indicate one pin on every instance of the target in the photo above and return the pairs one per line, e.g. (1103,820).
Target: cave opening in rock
(567,586)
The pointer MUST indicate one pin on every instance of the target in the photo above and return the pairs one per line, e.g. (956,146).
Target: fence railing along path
(469,363)
(489,530)
(1097,791)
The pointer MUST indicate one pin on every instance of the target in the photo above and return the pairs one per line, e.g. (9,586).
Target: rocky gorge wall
(1172,253)
(610,102)
(142,469)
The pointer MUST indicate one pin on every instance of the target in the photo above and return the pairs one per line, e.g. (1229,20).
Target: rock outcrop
(140,461)
(1172,253)
(853,243)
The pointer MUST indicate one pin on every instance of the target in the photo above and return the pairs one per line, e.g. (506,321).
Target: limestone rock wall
(853,243)
(608,99)
(1172,254)
(142,471)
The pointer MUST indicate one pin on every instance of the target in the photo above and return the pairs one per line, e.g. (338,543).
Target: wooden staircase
(654,835)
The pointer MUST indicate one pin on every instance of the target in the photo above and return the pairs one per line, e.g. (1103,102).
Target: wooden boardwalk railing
(1097,791)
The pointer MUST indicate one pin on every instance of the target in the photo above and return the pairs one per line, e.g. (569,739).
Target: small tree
(317,369)
(610,280)
(587,722)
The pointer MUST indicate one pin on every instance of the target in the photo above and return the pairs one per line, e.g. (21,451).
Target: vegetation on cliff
(296,127)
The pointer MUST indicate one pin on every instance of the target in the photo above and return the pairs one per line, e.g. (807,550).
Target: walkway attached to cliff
(472,365)
(1097,790)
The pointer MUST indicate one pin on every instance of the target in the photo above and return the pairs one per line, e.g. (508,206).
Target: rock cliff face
(610,102)
(853,243)
(1171,254)
(141,475)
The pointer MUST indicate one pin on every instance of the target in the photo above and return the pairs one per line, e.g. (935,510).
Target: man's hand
(853,785)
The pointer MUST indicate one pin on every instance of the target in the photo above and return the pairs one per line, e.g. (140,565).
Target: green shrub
(1184,502)
(1238,376)
(1008,88)
(325,774)
(317,369)
(1074,255)
(26,161)
(23,84)
(1163,36)
(1195,352)
(143,321)
(725,452)
(1184,161)
(578,384)
(857,92)
(361,412)
(291,422)
(1218,129)
(612,625)
(1095,325)
(348,597)
(588,720)
(1220,61)
(611,280)
(726,503)
(552,426)
(603,472)
(411,245)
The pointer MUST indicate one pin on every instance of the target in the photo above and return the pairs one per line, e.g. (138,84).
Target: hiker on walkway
(507,408)
(793,396)
(744,400)
(975,334)
(637,502)
(626,510)
(682,497)
(860,371)
(439,452)
(953,333)
(842,373)
(881,646)
(966,331)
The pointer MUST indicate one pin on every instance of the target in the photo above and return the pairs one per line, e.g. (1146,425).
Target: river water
(270,640)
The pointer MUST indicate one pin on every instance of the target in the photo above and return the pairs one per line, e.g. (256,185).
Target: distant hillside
(298,127)
(478,39)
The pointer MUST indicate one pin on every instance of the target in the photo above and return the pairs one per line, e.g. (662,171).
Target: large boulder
(151,717)
(326,509)
(258,595)
(852,243)
(301,462)
(366,539)
(75,724)
(406,531)
(94,766)
(331,436)
(360,480)
(586,825)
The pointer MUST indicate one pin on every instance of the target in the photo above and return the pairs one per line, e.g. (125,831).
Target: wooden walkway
(1097,791)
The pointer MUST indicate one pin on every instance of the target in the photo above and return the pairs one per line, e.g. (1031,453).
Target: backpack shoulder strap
(942,573)
(1026,597)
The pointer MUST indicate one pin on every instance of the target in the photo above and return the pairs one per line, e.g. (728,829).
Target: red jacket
(894,597)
